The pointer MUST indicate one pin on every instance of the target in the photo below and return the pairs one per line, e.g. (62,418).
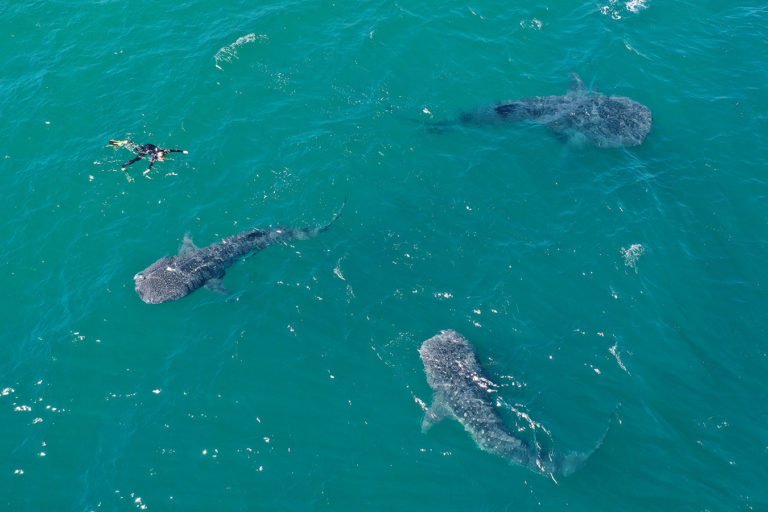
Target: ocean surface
(605,290)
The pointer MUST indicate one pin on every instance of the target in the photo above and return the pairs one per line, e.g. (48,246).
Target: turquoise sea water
(585,277)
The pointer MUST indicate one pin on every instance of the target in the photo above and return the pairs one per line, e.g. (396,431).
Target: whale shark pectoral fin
(187,246)
(577,84)
(216,286)
(437,412)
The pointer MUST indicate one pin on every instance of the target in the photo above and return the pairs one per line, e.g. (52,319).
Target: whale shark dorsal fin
(577,84)
(187,246)
(437,412)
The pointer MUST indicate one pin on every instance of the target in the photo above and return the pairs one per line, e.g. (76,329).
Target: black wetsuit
(147,149)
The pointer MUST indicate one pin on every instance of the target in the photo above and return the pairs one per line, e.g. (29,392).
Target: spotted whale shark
(580,116)
(463,392)
(173,277)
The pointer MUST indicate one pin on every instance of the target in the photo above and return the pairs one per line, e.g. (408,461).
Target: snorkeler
(155,153)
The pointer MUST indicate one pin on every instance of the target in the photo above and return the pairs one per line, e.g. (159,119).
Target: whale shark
(579,116)
(173,277)
(463,392)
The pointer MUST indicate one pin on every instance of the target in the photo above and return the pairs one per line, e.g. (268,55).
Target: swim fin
(118,143)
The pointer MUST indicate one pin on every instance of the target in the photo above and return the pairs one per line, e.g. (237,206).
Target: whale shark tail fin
(571,462)
(312,232)
(307,232)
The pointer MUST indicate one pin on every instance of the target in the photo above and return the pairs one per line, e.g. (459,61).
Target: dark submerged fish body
(600,120)
(464,392)
(174,277)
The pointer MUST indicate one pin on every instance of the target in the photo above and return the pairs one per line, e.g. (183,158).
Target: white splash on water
(229,52)
(636,5)
(615,10)
(632,254)
(337,270)
(532,23)
(614,350)
(634,50)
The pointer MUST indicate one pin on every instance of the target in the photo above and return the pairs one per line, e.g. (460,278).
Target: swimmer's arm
(177,151)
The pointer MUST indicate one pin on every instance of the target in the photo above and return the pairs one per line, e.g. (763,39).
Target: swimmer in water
(155,153)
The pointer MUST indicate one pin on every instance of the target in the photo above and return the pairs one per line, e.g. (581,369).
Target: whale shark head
(441,353)
(161,282)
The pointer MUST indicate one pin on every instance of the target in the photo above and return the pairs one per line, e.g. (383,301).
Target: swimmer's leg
(126,164)
(128,144)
